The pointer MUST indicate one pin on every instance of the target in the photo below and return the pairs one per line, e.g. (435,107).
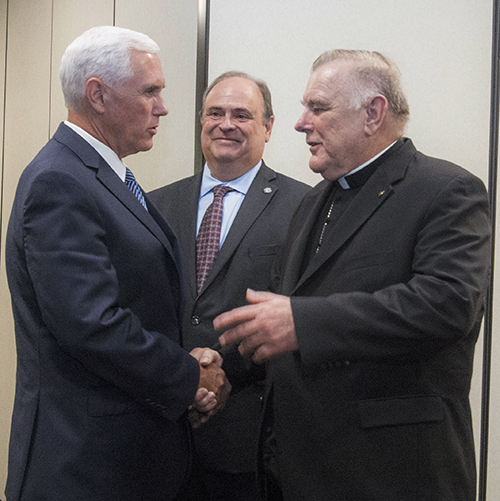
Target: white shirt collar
(105,151)
(240,184)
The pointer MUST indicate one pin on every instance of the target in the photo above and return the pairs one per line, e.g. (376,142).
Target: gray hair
(264,90)
(372,74)
(102,52)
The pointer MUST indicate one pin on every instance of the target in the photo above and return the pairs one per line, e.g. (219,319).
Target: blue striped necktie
(134,187)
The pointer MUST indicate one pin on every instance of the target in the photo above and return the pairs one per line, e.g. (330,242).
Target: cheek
(206,142)
(207,131)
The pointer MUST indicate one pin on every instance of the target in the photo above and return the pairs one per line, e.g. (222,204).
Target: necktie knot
(221,190)
(134,187)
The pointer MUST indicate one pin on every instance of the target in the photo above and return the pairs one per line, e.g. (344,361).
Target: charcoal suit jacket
(228,442)
(103,384)
(374,405)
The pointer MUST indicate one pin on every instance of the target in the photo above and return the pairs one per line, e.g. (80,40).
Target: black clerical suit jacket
(374,404)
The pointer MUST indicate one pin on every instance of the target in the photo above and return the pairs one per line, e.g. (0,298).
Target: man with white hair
(104,388)
(377,305)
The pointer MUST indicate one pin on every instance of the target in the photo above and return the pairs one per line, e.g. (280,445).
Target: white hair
(102,52)
(372,74)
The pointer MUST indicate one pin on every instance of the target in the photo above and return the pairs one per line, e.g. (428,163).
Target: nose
(227,122)
(303,123)
(160,109)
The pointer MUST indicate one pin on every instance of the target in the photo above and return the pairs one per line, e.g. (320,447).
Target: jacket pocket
(400,410)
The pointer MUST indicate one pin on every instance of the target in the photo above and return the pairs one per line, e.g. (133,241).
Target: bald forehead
(334,71)
(327,81)
(237,85)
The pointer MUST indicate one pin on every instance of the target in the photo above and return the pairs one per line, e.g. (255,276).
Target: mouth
(228,139)
(312,145)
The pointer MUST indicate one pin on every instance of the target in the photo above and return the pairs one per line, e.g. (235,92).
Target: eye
(152,91)
(317,109)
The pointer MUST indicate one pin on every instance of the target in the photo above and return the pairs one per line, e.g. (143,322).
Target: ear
(94,90)
(269,128)
(376,111)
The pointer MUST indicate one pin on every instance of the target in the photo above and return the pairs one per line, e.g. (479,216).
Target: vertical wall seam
(492,189)
(51,62)
(201,75)
(2,173)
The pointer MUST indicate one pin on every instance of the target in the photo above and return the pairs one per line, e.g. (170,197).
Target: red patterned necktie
(208,240)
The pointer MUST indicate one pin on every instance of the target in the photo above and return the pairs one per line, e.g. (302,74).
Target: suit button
(195,320)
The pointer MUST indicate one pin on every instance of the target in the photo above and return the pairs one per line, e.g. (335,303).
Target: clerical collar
(358,177)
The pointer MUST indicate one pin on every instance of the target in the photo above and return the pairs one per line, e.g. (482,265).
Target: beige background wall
(442,49)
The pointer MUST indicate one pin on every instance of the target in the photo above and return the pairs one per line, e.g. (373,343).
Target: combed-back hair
(102,52)
(372,74)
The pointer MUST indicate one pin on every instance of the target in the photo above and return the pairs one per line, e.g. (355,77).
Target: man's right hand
(213,388)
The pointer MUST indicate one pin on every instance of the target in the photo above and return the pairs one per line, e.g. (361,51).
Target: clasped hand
(262,329)
(213,388)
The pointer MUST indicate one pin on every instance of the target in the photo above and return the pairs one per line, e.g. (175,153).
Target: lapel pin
(380,193)
(268,189)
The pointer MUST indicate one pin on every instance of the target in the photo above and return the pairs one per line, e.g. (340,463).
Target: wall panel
(7,361)
(26,129)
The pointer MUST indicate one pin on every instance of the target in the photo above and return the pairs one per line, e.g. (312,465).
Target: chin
(147,146)
(318,169)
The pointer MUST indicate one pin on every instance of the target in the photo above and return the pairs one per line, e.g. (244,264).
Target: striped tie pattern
(208,240)
(134,187)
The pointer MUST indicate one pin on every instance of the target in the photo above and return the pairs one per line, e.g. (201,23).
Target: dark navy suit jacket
(102,381)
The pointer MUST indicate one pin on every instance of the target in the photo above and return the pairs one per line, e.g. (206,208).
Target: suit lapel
(377,189)
(187,230)
(260,193)
(311,208)
(105,175)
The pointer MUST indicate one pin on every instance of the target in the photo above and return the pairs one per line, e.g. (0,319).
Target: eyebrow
(233,110)
(153,87)
(314,102)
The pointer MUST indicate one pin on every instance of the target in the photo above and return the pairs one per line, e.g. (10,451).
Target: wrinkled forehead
(328,81)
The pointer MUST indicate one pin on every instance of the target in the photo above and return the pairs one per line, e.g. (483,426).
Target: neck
(228,172)
(89,125)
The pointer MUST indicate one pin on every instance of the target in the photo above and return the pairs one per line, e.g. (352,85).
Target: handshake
(213,388)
